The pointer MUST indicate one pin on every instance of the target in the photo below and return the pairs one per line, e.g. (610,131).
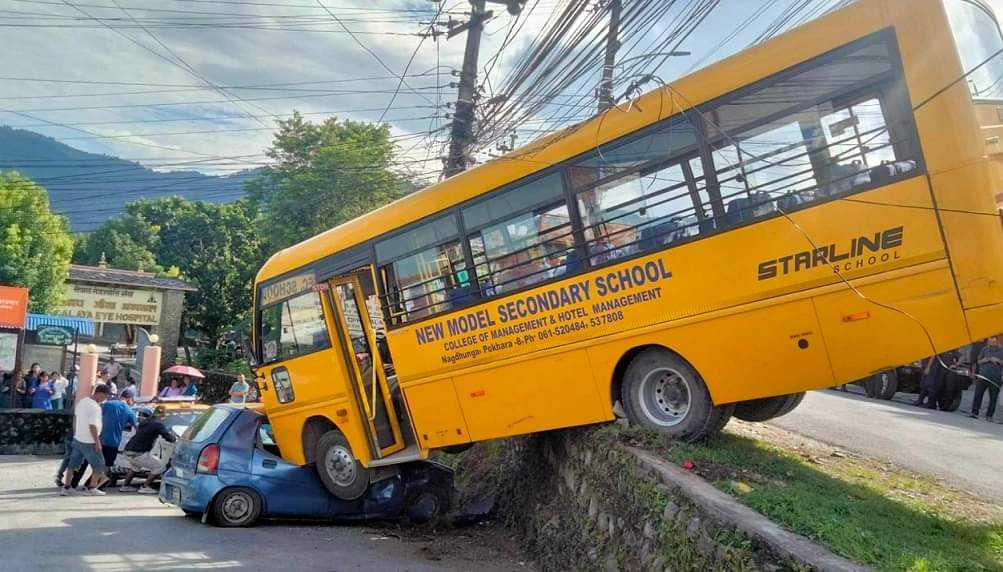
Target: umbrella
(184,370)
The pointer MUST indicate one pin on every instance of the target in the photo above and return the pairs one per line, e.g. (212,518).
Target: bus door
(358,340)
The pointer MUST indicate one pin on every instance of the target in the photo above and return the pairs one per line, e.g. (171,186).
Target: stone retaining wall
(582,501)
(33,431)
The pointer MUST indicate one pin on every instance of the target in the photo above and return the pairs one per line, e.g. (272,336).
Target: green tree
(127,241)
(216,247)
(326,174)
(35,245)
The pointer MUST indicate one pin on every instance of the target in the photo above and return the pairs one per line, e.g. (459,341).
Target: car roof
(252,408)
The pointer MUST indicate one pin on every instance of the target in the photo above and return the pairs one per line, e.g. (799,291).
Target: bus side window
(813,134)
(421,270)
(520,236)
(641,195)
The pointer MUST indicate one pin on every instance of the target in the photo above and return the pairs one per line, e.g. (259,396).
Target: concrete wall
(169,328)
(581,500)
(33,431)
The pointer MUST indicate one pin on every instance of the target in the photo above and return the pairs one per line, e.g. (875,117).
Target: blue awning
(84,326)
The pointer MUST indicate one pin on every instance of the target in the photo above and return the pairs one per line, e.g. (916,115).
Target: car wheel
(885,384)
(342,474)
(953,404)
(236,507)
(426,504)
(661,391)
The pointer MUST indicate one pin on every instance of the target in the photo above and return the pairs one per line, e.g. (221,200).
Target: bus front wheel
(661,391)
(342,474)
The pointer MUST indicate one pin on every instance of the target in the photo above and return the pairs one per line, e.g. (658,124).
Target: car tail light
(208,460)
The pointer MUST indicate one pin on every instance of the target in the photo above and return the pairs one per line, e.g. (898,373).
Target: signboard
(13,307)
(8,351)
(116,305)
(285,288)
(54,335)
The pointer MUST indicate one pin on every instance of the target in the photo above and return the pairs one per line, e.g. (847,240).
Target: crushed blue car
(227,469)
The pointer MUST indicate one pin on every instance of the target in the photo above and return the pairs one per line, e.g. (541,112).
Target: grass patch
(885,518)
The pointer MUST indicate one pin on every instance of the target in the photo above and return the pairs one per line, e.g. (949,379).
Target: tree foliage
(127,241)
(35,246)
(216,247)
(327,174)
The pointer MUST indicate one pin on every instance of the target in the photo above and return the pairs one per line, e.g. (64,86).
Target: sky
(134,78)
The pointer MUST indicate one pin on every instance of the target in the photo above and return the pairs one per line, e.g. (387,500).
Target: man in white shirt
(87,442)
(59,385)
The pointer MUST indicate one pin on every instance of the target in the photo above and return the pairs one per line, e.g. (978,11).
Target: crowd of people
(101,420)
(38,389)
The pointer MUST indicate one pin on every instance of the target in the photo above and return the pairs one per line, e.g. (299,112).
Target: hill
(89,188)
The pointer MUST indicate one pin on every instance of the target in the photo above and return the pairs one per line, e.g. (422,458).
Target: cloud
(251,46)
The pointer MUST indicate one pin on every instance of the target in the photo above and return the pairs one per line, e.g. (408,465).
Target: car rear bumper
(192,494)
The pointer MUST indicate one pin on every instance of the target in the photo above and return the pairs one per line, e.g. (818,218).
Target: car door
(288,489)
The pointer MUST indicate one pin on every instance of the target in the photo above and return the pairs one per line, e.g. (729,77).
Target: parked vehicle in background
(227,468)
(908,379)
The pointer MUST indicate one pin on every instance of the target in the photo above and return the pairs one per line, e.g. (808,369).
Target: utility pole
(612,45)
(462,131)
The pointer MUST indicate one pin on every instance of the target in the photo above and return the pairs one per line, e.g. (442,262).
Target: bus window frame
(478,231)
(391,319)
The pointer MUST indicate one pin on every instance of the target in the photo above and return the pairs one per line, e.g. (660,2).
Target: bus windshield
(977,34)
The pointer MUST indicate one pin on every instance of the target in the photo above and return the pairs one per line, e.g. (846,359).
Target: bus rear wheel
(339,470)
(661,391)
(758,410)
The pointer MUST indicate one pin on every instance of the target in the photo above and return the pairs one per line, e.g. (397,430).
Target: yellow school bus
(802,214)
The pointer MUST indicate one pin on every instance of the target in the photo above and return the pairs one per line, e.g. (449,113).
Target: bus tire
(759,410)
(727,412)
(793,400)
(456,449)
(660,391)
(342,474)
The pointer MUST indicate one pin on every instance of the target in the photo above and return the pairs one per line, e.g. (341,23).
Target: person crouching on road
(137,451)
(87,442)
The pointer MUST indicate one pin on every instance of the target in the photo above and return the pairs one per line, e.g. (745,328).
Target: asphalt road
(966,453)
(40,530)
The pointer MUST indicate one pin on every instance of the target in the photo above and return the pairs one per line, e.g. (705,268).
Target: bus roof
(729,74)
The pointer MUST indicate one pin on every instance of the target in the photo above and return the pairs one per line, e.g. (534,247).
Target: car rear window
(180,419)
(206,424)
